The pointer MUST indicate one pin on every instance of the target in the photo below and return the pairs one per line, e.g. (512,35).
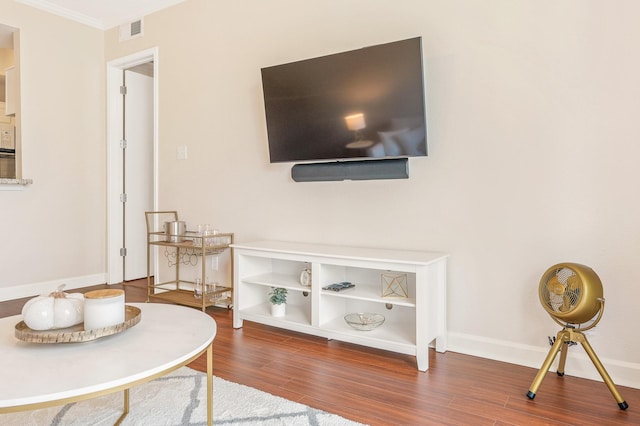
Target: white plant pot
(278,310)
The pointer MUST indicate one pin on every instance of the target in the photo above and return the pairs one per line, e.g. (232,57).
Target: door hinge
(123,143)
(123,198)
(123,90)
(123,251)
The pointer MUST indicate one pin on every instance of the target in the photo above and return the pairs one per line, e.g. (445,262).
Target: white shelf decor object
(412,323)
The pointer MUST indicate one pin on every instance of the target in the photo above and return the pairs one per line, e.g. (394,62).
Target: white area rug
(179,398)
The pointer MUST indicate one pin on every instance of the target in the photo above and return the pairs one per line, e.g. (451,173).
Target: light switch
(181,152)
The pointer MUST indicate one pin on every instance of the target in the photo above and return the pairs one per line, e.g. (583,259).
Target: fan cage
(571,293)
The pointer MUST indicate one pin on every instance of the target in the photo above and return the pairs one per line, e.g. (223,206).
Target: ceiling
(101,14)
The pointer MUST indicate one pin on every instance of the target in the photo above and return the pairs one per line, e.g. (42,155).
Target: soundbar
(392,168)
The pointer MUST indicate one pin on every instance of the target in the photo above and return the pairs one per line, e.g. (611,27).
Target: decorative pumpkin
(55,310)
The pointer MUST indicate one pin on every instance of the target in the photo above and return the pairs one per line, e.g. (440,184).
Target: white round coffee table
(38,375)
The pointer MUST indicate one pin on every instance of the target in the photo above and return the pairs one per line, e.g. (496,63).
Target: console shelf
(412,323)
(369,293)
(277,280)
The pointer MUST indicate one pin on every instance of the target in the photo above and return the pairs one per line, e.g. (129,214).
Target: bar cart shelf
(192,250)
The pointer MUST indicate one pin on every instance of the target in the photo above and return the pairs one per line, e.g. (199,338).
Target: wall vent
(131,30)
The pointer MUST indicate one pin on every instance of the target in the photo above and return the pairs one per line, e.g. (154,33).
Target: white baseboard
(35,289)
(578,363)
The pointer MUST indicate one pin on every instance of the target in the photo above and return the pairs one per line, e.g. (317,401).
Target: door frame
(115,272)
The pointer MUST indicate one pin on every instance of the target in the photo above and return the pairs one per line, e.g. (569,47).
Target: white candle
(103,308)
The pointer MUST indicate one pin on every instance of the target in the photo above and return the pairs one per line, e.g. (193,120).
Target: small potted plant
(278,299)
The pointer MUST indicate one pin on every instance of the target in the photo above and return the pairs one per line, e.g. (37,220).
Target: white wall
(52,231)
(532,108)
(532,116)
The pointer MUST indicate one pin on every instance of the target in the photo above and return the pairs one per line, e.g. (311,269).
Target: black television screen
(364,103)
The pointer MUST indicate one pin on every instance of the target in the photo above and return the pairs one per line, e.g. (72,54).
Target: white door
(138,170)
(116,185)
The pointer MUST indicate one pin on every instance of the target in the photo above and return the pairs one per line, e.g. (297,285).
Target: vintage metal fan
(572,295)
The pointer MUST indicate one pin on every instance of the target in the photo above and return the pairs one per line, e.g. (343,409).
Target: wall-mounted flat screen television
(364,103)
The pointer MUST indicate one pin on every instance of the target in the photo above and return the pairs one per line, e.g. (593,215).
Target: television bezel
(421,112)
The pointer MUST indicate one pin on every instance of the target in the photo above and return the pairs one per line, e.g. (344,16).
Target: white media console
(411,324)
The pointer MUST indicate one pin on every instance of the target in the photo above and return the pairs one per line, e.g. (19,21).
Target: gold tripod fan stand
(572,295)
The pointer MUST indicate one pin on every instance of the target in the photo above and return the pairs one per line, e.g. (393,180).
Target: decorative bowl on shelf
(364,321)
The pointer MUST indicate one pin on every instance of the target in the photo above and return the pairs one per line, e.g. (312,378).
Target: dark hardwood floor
(384,388)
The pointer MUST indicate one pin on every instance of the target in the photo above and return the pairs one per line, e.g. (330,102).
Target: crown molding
(65,13)
(106,16)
